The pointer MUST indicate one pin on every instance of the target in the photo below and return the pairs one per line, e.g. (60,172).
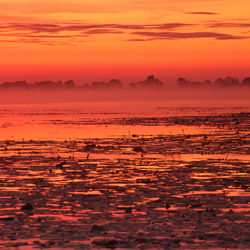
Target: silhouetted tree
(207,83)
(70,84)
(114,84)
(227,82)
(150,82)
(182,82)
(98,85)
(132,85)
(86,86)
(46,85)
(246,82)
(15,85)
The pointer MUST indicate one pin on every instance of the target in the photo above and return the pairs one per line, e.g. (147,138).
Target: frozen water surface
(122,176)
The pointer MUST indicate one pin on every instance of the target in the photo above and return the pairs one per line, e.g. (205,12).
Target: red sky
(89,40)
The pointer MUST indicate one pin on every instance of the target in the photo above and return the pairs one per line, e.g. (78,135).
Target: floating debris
(61,164)
(7,218)
(138,150)
(112,244)
(167,206)
(27,207)
(97,229)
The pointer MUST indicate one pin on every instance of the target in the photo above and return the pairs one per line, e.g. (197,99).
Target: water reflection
(189,188)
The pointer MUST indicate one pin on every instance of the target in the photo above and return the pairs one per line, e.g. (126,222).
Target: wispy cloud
(201,13)
(55,28)
(102,31)
(185,35)
(229,25)
(52,33)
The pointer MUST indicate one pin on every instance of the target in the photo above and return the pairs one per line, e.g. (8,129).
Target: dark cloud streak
(201,13)
(229,25)
(147,32)
(55,28)
(180,35)
(102,31)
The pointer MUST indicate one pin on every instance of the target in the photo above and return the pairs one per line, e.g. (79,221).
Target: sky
(88,40)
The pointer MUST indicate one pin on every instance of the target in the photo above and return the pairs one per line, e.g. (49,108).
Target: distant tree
(114,84)
(132,85)
(233,81)
(182,82)
(227,82)
(150,82)
(219,82)
(15,85)
(207,83)
(86,86)
(47,85)
(98,85)
(70,84)
(196,84)
(246,82)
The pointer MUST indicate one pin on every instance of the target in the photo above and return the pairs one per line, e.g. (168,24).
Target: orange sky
(89,40)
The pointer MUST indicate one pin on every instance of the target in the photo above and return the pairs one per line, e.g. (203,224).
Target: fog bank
(173,97)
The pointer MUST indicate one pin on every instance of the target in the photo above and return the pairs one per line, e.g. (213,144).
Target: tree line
(219,82)
(150,83)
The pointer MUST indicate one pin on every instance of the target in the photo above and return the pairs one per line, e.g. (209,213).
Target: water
(187,189)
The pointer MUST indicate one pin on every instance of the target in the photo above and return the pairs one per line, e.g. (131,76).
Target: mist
(171,97)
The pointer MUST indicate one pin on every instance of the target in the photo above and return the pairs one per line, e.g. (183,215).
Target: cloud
(21,34)
(138,40)
(173,25)
(232,37)
(229,25)
(55,28)
(7,41)
(67,32)
(201,13)
(32,27)
(102,31)
(185,35)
